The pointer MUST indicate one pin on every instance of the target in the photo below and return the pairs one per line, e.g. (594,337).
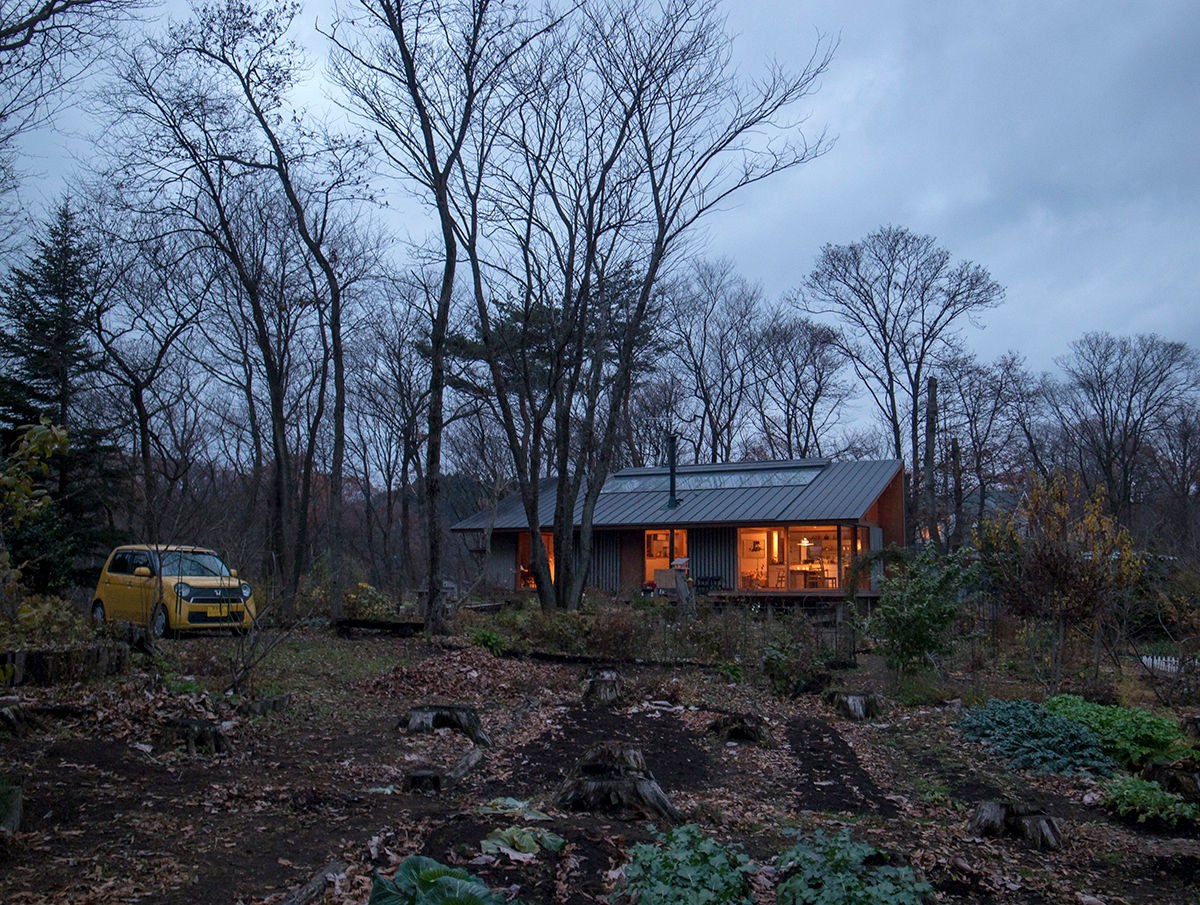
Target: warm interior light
(805,542)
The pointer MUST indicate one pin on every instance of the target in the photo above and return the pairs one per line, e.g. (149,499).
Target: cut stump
(743,727)
(274,704)
(855,705)
(196,734)
(602,686)
(612,778)
(1182,778)
(1020,820)
(458,717)
(425,779)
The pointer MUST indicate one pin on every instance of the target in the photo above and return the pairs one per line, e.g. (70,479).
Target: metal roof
(818,491)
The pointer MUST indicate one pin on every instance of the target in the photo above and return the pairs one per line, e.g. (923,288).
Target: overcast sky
(1056,144)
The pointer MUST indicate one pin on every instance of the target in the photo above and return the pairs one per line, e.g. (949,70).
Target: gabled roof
(744,493)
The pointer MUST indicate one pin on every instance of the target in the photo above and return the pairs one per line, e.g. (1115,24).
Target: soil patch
(831,778)
(675,755)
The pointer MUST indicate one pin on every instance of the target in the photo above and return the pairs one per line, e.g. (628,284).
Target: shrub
(488,640)
(732,671)
(614,631)
(918,606)
(368,602)
(1147,800)
(45,620)
(685,867)
(1130,735)
(1034,739)
(424,881)
(839,871)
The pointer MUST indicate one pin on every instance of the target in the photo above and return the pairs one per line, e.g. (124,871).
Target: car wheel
(98,613)
(158,622)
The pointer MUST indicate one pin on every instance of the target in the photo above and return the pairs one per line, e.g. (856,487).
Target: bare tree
(150,304)
(44,45)
(800,392)
(714,327)
(320,176)
(1115,395)
(901,301)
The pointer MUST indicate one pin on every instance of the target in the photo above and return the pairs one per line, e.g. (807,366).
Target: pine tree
(45,308)
(47,362)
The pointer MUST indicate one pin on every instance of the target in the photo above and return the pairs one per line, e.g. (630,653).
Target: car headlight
(183,590)
(245,591)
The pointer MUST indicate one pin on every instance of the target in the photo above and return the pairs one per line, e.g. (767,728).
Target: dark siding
(713,552)
(502,562)
(606,561)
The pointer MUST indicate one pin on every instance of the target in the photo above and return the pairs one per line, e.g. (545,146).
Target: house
(771,529)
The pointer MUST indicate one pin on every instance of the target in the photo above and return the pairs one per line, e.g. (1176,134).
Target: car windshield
(191,562)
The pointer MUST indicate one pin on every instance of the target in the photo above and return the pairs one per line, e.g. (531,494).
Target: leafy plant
(1147,800)
(368,602)
(839,871)
(1129,734)
(489,640)
(518,841)
(732,671)
(686,867)
(1034,739)
(918,606)
(424,881)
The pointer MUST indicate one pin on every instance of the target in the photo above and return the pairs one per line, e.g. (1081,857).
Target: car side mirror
(141,572)
(233,573)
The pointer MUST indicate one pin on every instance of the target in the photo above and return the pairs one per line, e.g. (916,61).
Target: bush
(614,631)
(918,606)
(1147,800)
(1034,739)
(45,621)
(1130,735)
(489,640)
(839,871)
(424,881)
(686,867)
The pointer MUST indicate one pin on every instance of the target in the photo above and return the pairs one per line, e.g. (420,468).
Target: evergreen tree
(45,309)
(46,365)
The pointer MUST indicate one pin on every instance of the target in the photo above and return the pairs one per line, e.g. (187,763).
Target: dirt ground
(114,812)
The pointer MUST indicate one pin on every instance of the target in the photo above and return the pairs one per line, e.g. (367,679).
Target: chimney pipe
(672,502)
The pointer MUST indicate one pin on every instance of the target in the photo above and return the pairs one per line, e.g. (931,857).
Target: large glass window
(525,557)
(658,551)
(798,557)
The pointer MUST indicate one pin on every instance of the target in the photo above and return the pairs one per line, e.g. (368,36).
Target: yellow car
(170,589)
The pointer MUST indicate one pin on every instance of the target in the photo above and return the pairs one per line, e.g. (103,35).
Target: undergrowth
(1034,739)
(1147,800)
(424,881)
(686,867)
(1130,735)
(839,871)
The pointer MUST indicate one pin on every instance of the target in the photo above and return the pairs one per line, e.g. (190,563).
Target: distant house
(769,529)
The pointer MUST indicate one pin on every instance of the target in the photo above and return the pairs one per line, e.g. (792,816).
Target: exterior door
(141,587)
(117,588)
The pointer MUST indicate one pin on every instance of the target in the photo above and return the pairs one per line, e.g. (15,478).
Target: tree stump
(814,683)
(613,778)
(11,798)
(602,686)
(855,705)
(1181,778)
(424,779)
(196,734)
(1022,821)
(458,717)
(743,727)
(274,704)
